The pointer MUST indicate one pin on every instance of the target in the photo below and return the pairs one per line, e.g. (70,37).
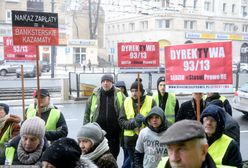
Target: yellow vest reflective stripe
(169,108)
(94,105)
(9,155)
(51,120)
(6,136)
(162,162)
(144,110)
(218,149)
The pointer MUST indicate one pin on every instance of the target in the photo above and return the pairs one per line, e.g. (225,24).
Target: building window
(8,16)
(109,30)
(189,24)
(245,28)
(113,28)
(209,26)
(118,28)
(244,11)
(207,6)
(195,4)
(163,23)
(144,25)
(79,55)
(224,7)
(233,8)
(228,27)
(131,27)
(184,3)
(123,27)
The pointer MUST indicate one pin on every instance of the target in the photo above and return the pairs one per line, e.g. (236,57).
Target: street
(74,113)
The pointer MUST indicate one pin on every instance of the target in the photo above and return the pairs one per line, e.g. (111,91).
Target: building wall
(176,33)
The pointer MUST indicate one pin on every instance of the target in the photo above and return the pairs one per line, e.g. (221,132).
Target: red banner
(16,52)
(199,67)
(138,54)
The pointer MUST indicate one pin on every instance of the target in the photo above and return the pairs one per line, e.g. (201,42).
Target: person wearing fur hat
(27,148)
(103,107)
(167,101)
(131,120)
(150,146)
(65,152)
(222,148)
(56,126)
(9,125)
(94,145)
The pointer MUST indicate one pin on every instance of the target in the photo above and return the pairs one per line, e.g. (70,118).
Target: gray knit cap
(34,126)
(92,132)
(107,77)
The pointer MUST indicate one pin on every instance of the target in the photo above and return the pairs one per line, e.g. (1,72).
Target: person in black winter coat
(216,96)
(188,108)
(223,149)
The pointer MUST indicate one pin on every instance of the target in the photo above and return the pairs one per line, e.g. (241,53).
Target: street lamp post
(53,47)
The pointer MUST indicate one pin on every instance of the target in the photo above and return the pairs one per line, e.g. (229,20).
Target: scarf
(99,151)
(29,158)
(3,120)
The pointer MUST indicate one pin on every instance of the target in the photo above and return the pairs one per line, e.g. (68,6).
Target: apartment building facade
(182,21)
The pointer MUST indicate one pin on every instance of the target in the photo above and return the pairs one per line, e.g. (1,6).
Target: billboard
(138,54)
(17,52)
(35,28)
(202,67)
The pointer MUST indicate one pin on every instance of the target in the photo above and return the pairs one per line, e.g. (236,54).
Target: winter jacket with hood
(232,128)
(232,156)
(150,147)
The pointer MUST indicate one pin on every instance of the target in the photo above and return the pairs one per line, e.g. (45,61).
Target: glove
(139,118)
(135,123)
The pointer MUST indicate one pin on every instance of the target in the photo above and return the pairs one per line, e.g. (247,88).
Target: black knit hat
(43,93)
(160,79)
(5,107)
(135,86)
(65,152)
(107,77)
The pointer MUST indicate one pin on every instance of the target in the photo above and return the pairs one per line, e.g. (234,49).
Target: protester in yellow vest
(130,120)
(187,146)
(216,96)
(223,149)
(9,125)
(167,101)
(27,148)
(103,107)
(56,126)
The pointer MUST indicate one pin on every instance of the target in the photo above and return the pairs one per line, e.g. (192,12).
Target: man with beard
(103,107)
(131,119)
(56,126)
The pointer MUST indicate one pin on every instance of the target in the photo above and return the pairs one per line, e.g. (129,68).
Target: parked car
(8,67)
(240,100)
(45,66)
(29,70)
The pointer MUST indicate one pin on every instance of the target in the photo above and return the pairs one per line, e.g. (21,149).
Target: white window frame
(163,23)
(228,27)
(233,8)
(245,28)
(8,16)
(224,7)
(189,24)
(207,6)
(209,26)
(144,25)
(79,56)
(131,27)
